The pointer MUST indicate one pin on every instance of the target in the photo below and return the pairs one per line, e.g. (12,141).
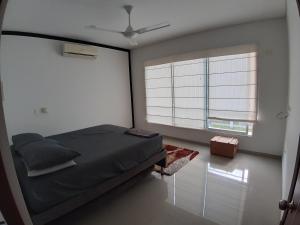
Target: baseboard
(240,150)
(260,154)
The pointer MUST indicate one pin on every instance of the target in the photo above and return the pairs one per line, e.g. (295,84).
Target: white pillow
(36,173)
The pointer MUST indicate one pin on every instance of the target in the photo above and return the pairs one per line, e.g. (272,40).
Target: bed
(108,158)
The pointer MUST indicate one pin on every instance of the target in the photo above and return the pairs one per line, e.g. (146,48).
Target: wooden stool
(224,146)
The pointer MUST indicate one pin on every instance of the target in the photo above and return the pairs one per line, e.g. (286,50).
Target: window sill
(211,130)
(228,132)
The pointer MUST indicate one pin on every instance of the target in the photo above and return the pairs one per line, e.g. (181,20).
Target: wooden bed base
(103,190)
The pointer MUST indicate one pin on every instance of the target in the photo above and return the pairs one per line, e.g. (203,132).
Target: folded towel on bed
(140,133)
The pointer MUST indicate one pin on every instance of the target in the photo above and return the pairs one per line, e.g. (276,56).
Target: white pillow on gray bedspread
(36,173)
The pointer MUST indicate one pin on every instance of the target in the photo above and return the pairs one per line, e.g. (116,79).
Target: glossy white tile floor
(210,190)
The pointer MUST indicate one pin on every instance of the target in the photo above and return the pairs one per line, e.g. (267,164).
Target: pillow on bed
(44,154)
(36,173)
(20,140)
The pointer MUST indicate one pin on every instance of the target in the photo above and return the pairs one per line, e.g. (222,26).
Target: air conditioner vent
(82,51)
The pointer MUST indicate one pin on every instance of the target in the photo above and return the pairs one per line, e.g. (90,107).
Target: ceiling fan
(131,33)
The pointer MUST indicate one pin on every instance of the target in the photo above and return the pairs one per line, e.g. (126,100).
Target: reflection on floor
(1,219)
(210,190)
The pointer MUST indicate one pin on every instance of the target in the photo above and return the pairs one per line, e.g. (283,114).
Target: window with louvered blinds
(232,87)
(159,100)
(175,93)
(192,89)
(189,93)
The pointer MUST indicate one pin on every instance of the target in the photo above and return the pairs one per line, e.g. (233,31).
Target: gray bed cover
(105,153)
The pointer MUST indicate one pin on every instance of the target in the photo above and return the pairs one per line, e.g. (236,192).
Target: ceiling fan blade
(151,28)
(103,29)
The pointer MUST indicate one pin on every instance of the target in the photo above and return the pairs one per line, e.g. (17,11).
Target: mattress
(106,152)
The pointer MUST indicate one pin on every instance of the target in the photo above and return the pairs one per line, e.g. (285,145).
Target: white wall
(293,123)
(77,92)
(271,38)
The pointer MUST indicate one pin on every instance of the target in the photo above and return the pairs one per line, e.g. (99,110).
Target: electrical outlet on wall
(44,110)
(268,51)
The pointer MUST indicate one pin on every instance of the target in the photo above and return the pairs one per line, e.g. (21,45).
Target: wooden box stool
(224,146)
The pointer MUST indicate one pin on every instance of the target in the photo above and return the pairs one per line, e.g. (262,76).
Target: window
(208,90)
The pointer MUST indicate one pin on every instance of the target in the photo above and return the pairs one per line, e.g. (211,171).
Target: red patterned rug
(176,159)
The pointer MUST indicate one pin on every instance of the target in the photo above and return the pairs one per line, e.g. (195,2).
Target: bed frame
(102,191)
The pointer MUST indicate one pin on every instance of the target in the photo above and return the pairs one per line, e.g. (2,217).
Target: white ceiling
(68,17)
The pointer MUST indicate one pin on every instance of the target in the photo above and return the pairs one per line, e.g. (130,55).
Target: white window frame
(202,54)
(248,132)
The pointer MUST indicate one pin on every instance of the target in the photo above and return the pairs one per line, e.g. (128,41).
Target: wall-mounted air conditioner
(77,50)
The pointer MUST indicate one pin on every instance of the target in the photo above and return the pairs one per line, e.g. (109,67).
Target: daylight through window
(214,92)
